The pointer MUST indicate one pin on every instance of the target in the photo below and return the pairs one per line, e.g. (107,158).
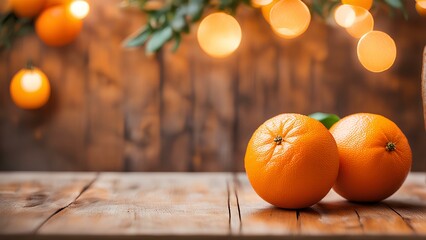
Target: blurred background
(116,109)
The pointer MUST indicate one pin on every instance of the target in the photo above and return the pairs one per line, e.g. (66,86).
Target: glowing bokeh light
(376,51)
(363,23)
(345,15)
(260,3)
(219,34)
(290,18)
(79,9)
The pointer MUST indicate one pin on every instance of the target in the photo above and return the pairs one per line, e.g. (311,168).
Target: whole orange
(57,27)
(375,157)
(30,88)
(292,161)
(27,8)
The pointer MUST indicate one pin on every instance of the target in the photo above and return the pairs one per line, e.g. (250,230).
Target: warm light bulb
(376,51)
(421,3)
(219,34)
(79,9)
(363,23)
(366,4)
(31,82)
(345,15)
(290,18)
(260,3)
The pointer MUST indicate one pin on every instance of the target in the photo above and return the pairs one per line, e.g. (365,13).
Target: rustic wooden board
(148,204)
(403,214)
(28,199)
(198,205)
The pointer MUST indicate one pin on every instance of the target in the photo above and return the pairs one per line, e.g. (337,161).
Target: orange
(30,88)
(57,27)
(375,157)
(27,8)
(361,3)
(292,161)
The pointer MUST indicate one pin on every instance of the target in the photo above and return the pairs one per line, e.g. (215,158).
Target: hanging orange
(27,8)
(56,26)
(292,161)
(375,157)
(30,88)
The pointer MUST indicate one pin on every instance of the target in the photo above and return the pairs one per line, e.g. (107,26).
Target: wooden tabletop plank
(260,218)
(28,199)
(148,204)
(171,205)
(409,202)
(336,216)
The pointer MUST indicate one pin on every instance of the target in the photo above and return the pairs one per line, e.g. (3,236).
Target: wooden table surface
(190,205)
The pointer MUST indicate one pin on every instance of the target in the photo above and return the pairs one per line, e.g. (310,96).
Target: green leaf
(178,39)
(140,38)
(158,39)
(395,4)
(326,119)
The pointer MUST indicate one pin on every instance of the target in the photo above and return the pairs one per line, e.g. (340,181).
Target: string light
(79,9)
(290,18)
(376,51)
(266,10)
(261,3)
(219,34)
(363,23)
(345,15)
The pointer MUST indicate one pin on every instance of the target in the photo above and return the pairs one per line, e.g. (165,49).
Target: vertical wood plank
(29,199)
(424,85)
(105,130)
(141,76)
(214,83)
(177,102)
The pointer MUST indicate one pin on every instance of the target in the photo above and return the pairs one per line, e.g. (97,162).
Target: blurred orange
(57,27)
(30,88)
(27,8)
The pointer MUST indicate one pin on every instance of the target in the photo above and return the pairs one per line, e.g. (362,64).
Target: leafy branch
(168,20)
(12,27)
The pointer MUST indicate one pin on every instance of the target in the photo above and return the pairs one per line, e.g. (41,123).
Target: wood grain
(148,204)
(424,85)
(192,205)
(27,200)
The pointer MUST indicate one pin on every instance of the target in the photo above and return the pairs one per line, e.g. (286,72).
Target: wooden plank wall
(116,109)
